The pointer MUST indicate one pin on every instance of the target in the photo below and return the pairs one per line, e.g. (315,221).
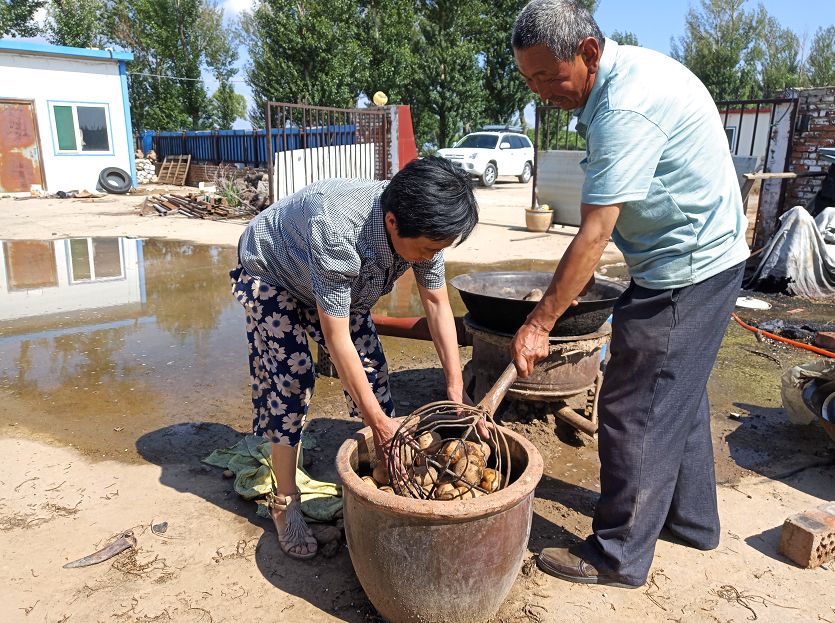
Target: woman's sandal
(296,534)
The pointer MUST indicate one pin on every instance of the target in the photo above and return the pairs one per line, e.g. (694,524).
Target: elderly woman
(312,266)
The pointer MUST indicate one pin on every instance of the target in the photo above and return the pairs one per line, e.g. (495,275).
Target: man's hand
(529,345)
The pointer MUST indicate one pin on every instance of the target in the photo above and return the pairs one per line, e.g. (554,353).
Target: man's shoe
(561,563)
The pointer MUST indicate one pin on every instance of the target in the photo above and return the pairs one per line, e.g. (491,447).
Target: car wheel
(526,173)
(488,178)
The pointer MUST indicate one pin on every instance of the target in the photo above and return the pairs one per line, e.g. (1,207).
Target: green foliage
(624,38)
(446,90)
(17,17)
(173,41)
(820,63)
(388,36)
(304,51)
(225,106)
(504,91)
(778,56)
(74,23)
(719,47)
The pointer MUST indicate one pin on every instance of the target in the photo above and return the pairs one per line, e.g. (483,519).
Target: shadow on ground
(767,443)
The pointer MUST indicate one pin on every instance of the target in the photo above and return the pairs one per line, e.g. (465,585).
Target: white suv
(491,152)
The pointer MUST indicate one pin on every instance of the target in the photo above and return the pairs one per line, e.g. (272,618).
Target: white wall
(745,124)
(49,78)
(68,296)
(295,169)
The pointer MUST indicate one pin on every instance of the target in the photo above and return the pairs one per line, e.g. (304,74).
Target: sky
(654,22)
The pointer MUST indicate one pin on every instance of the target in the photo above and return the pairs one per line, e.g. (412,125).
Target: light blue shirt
(655,143)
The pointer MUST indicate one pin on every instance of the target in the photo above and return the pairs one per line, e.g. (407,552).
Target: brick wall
(819,104)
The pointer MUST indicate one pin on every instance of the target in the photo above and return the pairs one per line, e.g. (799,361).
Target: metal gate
(20,160)
(315,142)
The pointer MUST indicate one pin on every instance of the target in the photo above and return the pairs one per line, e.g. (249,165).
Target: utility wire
(142,73)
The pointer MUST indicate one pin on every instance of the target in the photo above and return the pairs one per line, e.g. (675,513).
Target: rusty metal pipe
(569,415)
(416,328)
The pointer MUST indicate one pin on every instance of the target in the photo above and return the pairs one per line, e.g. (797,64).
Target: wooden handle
(493,398)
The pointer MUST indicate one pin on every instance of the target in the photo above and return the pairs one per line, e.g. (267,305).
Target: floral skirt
(280,362)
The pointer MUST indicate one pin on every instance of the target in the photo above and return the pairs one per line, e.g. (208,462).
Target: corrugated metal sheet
(559,183)
(20,165)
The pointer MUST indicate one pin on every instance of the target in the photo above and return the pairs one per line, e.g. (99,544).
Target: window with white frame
(79,128)
(95,259)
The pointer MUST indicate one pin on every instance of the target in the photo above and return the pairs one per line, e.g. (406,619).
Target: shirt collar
(383,251)
(607,63)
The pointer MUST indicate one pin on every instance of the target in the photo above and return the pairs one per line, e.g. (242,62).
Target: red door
(20,154)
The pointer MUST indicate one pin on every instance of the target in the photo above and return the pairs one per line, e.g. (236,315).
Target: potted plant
(539,218)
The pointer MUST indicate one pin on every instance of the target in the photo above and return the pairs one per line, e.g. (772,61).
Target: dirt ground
(103,431)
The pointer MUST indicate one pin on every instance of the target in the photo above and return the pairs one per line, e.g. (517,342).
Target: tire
(527,173)
(115,180)
(488,178)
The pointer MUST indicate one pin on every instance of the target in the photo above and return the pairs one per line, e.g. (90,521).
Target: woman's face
(418,249)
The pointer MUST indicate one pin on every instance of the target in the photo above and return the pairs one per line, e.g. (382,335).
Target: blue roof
(17,45)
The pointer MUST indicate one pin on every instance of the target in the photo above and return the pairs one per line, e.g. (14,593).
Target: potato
(452,451)
(407,455)
(380,474)
(425,475)
(369,481)
(387,489)
(469,471)
(445,492)
(427,438)
(491,480)
(485,450)
(465,493)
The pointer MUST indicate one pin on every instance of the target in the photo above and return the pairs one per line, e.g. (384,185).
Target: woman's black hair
(431,197)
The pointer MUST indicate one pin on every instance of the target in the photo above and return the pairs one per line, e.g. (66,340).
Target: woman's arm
(445,337)
(352,375)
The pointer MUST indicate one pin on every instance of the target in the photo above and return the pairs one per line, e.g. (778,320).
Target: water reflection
(105,339)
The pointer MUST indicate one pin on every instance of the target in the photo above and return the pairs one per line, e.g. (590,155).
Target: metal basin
(427,561)
(495,301)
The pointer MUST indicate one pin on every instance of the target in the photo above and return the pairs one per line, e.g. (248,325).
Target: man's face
(565,84)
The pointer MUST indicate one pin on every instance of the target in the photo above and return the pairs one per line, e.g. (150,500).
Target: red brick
(826,339)
(809,538)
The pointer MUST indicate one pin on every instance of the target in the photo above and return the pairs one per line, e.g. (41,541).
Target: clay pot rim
(452,510)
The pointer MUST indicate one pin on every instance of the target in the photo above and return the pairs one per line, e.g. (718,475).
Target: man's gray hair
(559,24)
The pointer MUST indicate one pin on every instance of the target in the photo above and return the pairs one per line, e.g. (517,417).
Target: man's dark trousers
(656,456)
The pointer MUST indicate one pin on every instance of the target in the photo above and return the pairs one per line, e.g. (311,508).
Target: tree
(505,92)
(225,107)
(17,17)
(74,23)
(719,47)
(820,64)
(304,51)
(624,38)
(173,42)
(446,93)
(778,54)
(388,35)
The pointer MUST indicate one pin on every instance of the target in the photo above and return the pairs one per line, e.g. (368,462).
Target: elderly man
(660,182)
(311,266)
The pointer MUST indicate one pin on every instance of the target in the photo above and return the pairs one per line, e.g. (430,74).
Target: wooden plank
(770,176)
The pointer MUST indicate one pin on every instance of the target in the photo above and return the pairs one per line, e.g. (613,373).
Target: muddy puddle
(105,339)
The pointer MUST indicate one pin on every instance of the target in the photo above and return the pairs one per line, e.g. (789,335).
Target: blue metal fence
(248,147)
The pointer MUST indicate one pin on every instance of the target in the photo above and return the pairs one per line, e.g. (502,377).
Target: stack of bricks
(819,105)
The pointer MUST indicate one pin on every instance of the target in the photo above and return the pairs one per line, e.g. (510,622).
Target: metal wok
(496,301)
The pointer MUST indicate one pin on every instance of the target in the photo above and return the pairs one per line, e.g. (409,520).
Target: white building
(64,116)
(40,277)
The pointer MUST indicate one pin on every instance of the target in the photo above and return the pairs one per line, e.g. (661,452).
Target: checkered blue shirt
(327,245)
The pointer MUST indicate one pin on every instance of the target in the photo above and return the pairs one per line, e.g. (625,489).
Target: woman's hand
(383,429)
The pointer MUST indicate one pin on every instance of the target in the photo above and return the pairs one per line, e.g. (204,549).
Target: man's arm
(445,337)
(575,270)
(352,375)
